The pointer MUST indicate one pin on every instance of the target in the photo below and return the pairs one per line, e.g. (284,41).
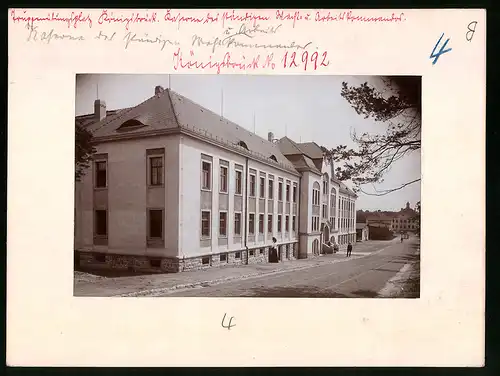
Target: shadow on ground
(114,273)
(306,292)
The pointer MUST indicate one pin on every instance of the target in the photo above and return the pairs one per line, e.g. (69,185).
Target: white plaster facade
(193,217)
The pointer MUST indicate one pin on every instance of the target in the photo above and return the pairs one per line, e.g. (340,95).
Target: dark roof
(303,163)
(88,119)
(311,149)
(289,147)
(170,110)
(378,217)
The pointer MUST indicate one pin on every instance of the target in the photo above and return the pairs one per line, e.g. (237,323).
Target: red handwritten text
(226,62)
(294,17)
(247,17)
(109,18)
(74,19)
(350,17)
(305,60)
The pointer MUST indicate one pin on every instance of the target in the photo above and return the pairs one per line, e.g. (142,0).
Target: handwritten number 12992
(306,59)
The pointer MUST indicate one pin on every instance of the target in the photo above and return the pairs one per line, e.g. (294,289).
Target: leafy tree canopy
(398,106)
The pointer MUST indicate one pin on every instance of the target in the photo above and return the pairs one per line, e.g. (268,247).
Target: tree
(417,216)
(83,151)
(398,105)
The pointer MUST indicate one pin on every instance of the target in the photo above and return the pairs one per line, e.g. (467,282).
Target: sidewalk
(89,285)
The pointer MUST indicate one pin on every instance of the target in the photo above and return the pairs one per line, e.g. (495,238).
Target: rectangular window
(205,224)
(205,175)
(252,185)
(223,257)
(252,252)
(324,211)
(293,224)
(279,223)
(280,191)
(101,174)
(237,255)
(287,195)
(222,224)
(287,223)
(238,182)
(313,223)
(251,223)
(271,189)
(262,187)
(223,179)
(294,194)
(205,260)
(237,223)
(156,170)
(101,223)
(269,223)
(156,224)
(261,223)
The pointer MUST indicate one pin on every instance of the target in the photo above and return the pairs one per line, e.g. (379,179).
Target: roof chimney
(159,89)
(270,136)
(99,109)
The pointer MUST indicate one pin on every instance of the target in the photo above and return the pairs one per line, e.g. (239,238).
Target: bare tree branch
(387,191)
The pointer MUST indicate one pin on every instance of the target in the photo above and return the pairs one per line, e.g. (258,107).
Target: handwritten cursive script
(132,38)
(43,36)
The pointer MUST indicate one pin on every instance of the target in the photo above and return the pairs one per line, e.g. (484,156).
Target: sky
(303,107)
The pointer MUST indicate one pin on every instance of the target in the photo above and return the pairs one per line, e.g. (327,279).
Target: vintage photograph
(247,186)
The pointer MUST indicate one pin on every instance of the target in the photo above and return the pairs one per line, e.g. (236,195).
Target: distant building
(405,220)
(362,232)
(379,220)
(174,186)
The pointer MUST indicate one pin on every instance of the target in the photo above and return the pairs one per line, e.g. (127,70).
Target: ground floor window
(101,223)
(156,223)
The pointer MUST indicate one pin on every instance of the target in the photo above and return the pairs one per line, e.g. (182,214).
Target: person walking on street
(349,249)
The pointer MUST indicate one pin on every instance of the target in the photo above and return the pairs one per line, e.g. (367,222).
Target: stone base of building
(174,265)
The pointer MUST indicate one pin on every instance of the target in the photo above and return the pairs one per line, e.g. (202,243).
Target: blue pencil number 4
(435,55)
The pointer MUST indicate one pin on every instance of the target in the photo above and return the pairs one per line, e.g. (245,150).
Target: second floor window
(271,190)
(205,175)
(270,223)
(279,223)
(101,174)
(156,170)
(294,223)
(223,179)
(238,182)
(294,195)
(252,185)
(280,191)
(287,195)
(287,223)
(262,187)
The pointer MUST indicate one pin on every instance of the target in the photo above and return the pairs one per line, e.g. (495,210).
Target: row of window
(223,223)
(398,220)
(155,172)
(155,223)
(206,183)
